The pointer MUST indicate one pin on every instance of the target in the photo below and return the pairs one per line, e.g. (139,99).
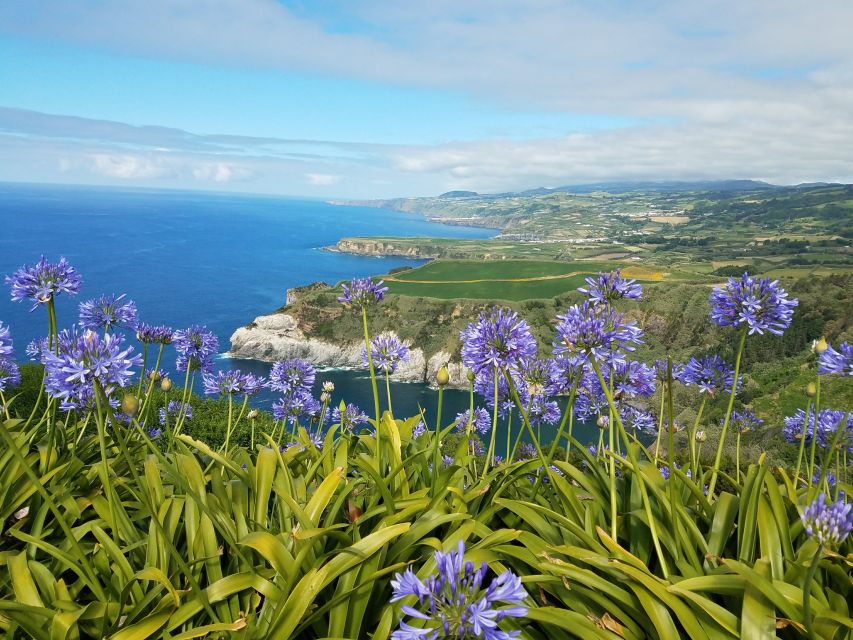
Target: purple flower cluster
(630,379)
(362,292)
(499,339)
(196,347)
(173,411)
(84,360)
(232,382)
(711,374)
(829,523)
(36,348)
(543,411)
(5,341)
(288,376)
(745,421)
(661,370)
(419,430)
(454,603)
(797,427)
(43,281)
(566,371)
(349,418)
(154,333)
(638,420)
(595,332)
(605,288)
(107,313)
(480,423)
(759,303)
(387,351)
(836,362)
(484,384)
(295,405)
(10,375)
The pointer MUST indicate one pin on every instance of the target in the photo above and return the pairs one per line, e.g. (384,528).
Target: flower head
(296,404)
(154,333)
(484,384)
(661,370)
(759,303)
(537,375)
(455,603)
(10,375)
(83,360)
(595,332)
(608,287)
(543,411)
(107,313)
(349,418)
(232,383)
(362,292)
(836,362)
(386,351)
(196,347)
(44,281)
(499,339)
(568,370)
(419,430)
(291,375)
(5,341)
(745,421)
(829,523)
(481,422)
(173,411)
(798,427)
(711,374)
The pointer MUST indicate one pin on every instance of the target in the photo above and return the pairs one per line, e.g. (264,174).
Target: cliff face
(384,248)
(278,337)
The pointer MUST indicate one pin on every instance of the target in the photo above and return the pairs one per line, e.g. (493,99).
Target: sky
(382,98)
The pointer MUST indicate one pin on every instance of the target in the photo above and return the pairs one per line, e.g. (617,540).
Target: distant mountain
(459,194)
(667,186)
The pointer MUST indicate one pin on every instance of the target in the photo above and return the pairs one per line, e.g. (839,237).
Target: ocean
(204,258)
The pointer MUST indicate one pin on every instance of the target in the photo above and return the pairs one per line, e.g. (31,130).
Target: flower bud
(253,414)
(819,346)
(154,375)
(701,436)
(601,422)
(165,384)
(471,376)
(811,390)
(325,397)
(442,377)
(328,386)
(130,404)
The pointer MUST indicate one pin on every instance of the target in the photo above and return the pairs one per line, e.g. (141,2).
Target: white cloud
(322,179)
(129,167)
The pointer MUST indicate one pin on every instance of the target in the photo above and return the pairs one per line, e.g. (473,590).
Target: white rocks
(277,337)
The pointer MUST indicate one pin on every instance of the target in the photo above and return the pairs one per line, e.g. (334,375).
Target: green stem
(388,393)
(491,451)
(370,366)
(144,364)
(814,432)
(802,443)
(694,458)
(105,470)
(230,422)
(660,423)
(436,454)
(719,455)
(827,460)
(807,592)
(632,456)
(553,449)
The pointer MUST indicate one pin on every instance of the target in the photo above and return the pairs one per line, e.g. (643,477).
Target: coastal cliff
(381,247)
(278,337)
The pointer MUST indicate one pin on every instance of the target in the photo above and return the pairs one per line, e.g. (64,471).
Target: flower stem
(437,445)
(388,393)
(814,432)
(660,423)
(694,457)
(491,451)
(807,591)
(719,455)
(370,365)
(802,443)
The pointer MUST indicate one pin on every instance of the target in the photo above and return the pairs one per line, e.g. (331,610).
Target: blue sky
(380,98)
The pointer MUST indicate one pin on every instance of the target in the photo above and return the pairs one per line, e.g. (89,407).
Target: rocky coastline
(275,337)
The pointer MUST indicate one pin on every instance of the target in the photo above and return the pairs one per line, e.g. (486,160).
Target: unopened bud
(328,386)
(442,377)
(253,414)
(811,390)
(701,436)
(165,384)
(819,346)
(601,422)
(325,397)
(154,375)
(130,405)
(471,376)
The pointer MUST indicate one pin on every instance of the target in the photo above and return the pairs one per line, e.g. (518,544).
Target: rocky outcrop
(294,294)
(278,337)
(363,247)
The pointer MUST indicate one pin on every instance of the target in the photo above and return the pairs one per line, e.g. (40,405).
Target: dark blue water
(200,258)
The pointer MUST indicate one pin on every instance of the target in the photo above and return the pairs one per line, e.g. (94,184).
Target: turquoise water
(201,258)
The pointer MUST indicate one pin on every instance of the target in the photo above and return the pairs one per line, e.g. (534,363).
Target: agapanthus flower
(5,341)
(196,347)
(291,375)
(455,603)
(44,281)
(591,402)
(10,375)
(484,384)
(745,421)
(447,460)
(607,287)
(829,523)
(419,430)
(836,362)
(542,411)
(661,370)
(638,420)
(36,348)
(526,451)
(84,360)
(499,339)
(630,379)
(328,386)
(154,333)
(830,478)
(481,422)
(349,418)
(797,427)
(595,332)
(711,374)
(387,351)
(537,375)
(759,303)
(362,292)
(173,411)
(233,382)
(107,313)
(297,404)
(567,371)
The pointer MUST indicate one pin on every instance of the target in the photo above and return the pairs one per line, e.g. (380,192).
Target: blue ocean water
(201,258)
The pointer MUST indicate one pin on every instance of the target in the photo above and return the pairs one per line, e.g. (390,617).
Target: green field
(512,280)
